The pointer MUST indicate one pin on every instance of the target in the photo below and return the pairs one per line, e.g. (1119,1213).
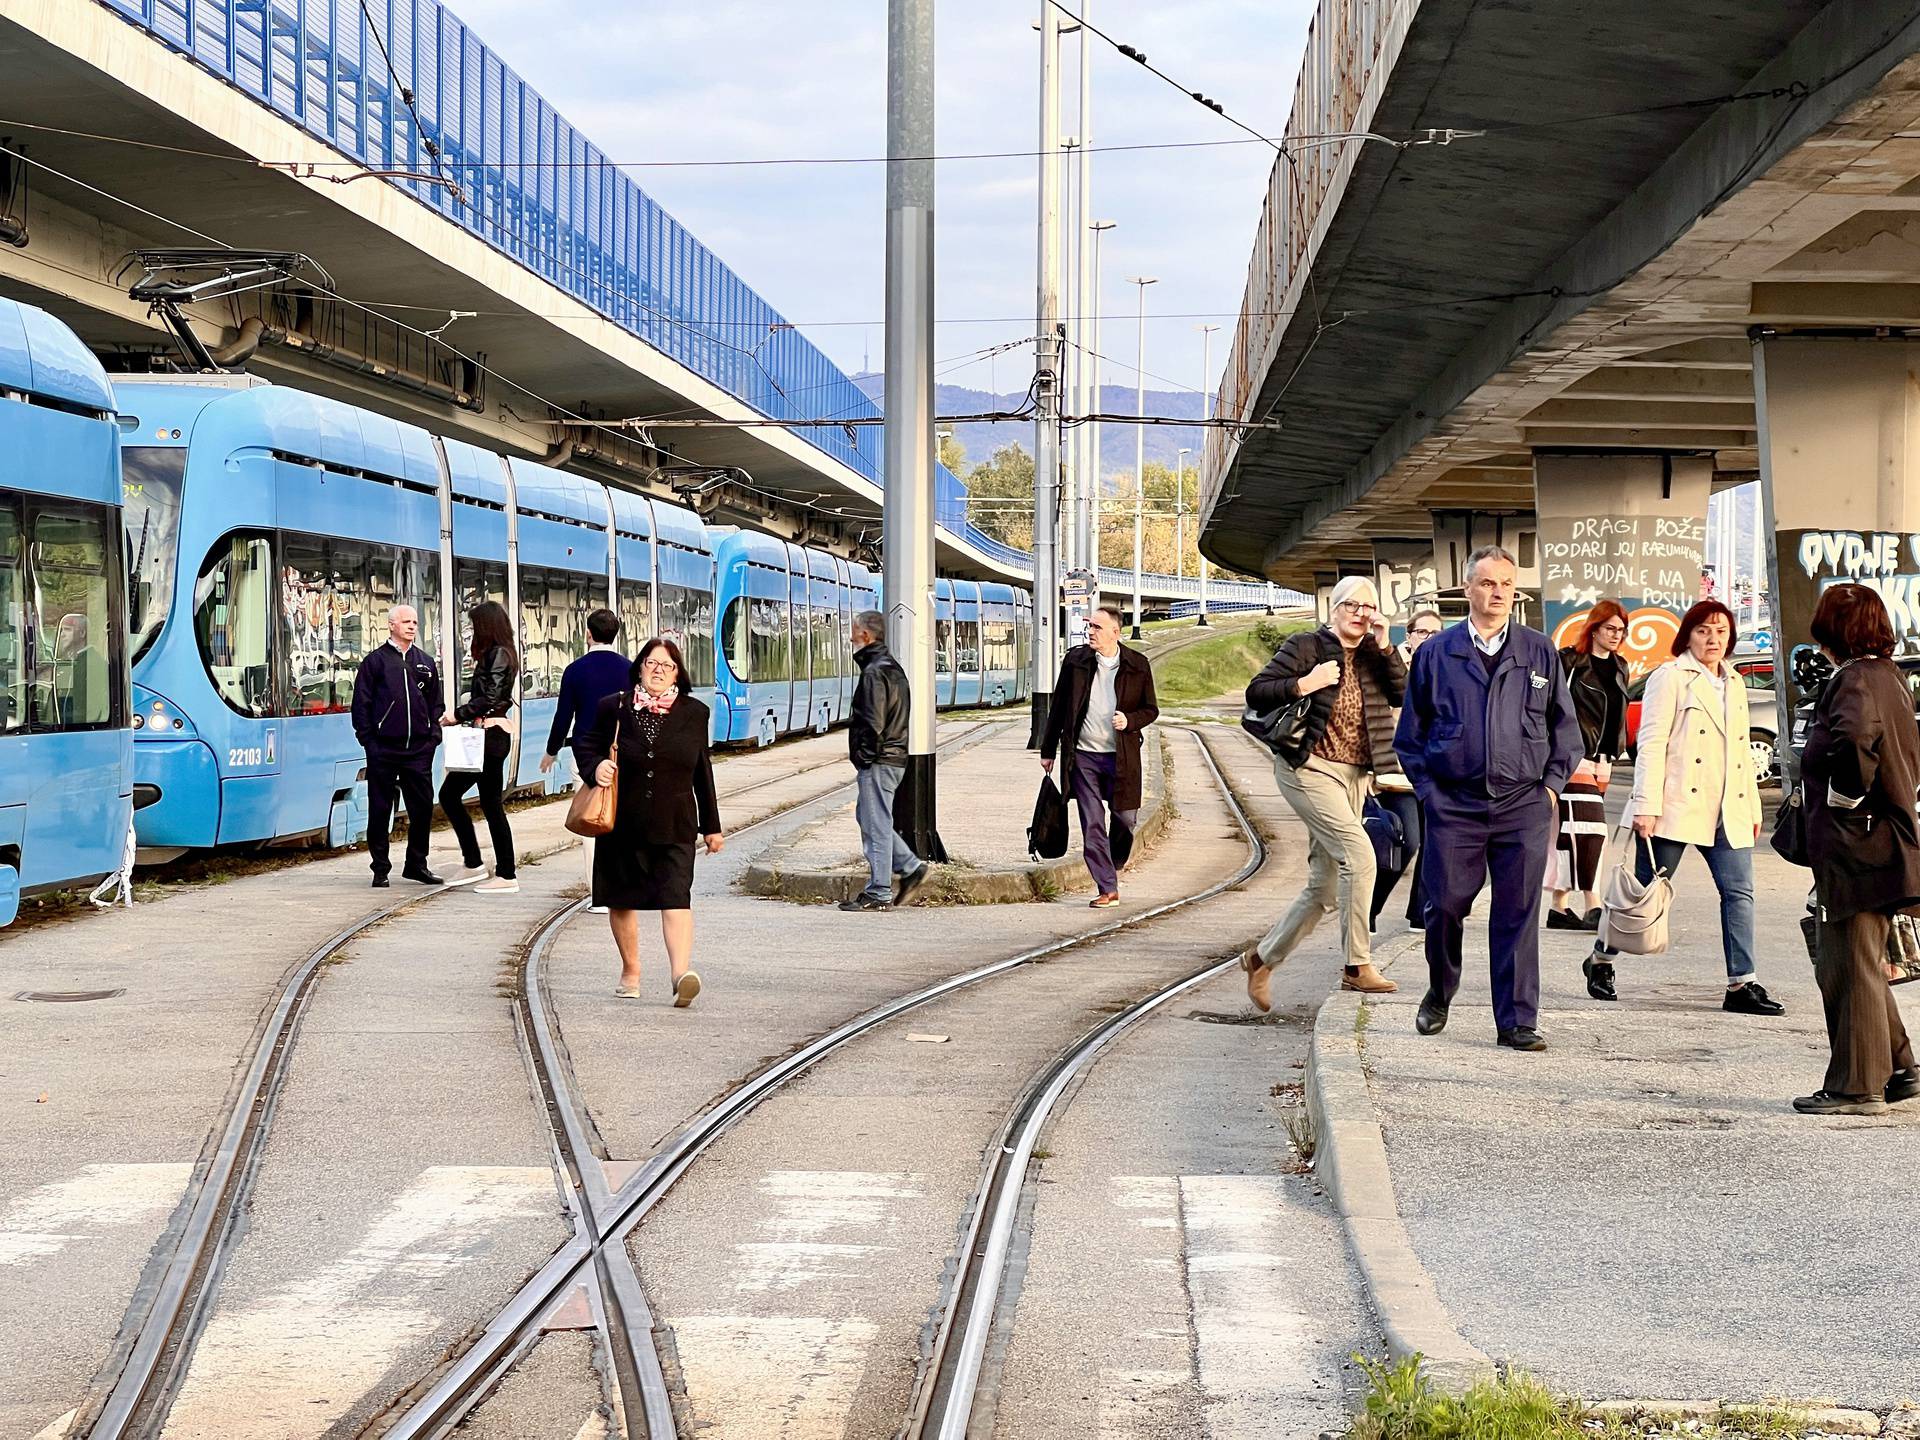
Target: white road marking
(46,1220)
(793,1377)
(759,1377)
(58,1429)
(290,1364)
(1260,1369)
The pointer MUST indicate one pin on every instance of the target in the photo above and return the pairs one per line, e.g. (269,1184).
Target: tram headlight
(139,722)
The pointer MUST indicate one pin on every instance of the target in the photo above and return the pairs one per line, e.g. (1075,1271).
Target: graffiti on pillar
(1650,635)
(1886,562)
(1649,563)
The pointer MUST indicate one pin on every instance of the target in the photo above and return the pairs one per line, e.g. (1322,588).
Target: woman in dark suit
(1860,771)
(658,732)
(490,698)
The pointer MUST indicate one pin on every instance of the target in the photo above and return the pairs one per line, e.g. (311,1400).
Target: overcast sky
(762,79)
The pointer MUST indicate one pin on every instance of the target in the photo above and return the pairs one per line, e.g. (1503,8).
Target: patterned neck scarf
(645,704)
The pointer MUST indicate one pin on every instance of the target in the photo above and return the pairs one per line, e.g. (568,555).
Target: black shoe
(1825,1102)
(1564,920)
(1750,999)
(910,884)
(1905,1085)
(1599,975)
(380,882)
(422,876)
(864,901)
(1432,1018)
(1591,920)
(1522,1037)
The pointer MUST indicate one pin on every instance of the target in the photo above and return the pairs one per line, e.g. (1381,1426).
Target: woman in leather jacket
(490,696)
(1597,681)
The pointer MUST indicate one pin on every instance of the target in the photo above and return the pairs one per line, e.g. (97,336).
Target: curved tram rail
(598,1248)
(162,1347)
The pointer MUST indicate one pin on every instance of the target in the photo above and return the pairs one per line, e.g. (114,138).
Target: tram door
(800,693)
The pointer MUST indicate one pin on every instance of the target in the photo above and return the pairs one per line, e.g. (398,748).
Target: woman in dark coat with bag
(665,804)
(490,699)
(1860,773)
(1597,681)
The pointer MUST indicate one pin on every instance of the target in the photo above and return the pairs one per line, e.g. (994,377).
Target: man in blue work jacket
(1488,737)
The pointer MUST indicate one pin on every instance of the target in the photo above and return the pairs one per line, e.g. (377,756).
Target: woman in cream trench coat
(1693,784)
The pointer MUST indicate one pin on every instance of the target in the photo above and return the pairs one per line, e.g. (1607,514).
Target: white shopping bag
(466,748)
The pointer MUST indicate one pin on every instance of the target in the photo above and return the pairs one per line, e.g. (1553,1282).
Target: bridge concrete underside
(73,65)
(1585,279)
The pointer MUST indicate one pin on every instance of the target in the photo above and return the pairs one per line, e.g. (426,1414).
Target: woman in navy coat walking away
(658,735)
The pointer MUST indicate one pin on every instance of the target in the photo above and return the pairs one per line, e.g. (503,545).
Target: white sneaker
(466,875)
(497,886)
(596,909)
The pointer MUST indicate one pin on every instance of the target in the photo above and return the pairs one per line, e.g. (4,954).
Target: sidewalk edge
(1350,1159)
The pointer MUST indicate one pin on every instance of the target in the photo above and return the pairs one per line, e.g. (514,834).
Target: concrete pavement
(1638,1212)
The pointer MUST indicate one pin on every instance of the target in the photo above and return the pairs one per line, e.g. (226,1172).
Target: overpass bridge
(1589,263)
(400,153)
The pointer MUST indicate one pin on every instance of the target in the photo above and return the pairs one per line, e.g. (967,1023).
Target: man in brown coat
(1102,702)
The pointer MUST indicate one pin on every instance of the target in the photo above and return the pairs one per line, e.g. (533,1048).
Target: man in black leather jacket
(877,743)
(396,710)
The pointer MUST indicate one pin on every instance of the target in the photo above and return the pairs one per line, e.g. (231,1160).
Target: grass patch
(1301,1135)
(1401,1404)
(1217,666)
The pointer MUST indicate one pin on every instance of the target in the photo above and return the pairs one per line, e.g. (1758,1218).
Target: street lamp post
(1046,421)
(1094,482)
(1206,413)
(1140,446)
(1180,515)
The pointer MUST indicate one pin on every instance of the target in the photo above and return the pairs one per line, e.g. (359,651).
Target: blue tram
(786,652)
(66,746)
(273,529)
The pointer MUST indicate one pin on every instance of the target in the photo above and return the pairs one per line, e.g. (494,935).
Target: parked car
(1755,669)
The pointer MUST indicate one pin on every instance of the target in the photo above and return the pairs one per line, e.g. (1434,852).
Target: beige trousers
(1328,798)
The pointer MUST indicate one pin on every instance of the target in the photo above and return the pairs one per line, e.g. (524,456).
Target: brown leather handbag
(594,807)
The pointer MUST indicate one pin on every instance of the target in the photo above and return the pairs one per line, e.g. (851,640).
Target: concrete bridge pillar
(1839,422)
(1626,525)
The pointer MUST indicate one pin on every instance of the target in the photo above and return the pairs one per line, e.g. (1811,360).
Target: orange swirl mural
(1650,635)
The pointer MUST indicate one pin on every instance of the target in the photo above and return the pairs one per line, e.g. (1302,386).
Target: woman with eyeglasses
(1354,686)
(656,734)
(1597,680)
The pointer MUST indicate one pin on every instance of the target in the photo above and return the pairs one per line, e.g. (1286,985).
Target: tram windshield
(151,477)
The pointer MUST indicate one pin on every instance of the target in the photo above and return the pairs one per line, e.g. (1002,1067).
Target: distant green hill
(981,439)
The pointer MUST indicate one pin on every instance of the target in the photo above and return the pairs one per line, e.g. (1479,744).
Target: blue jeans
(1732,870)
(887,854)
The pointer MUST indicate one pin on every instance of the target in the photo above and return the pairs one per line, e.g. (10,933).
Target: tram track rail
(161,1347)
(598,1252)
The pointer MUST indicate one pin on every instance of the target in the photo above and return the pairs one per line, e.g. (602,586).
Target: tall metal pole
(1046,424)
(1180,515)
(1140,447)
(1206,413)
(1085,369)
(1096,478)
(1071,360)
(907,511)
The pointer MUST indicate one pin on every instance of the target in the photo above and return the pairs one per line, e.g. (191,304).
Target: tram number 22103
(243,755)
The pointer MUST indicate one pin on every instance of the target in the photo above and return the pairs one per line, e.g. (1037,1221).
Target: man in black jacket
(1102,702)
(877,742)
(396,718)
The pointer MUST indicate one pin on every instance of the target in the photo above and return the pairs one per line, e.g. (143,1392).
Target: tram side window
(696,608)
(767,641)
(942,647)
(636,616)
(419,586)
(362,592)
(733,639)
(306,624)
(826,641)
(473,582)
(13,619)
(535,621)
(997,642)
(968,635)
(232,608)
(71,574)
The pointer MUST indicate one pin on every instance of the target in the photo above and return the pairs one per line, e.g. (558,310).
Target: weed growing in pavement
(1402,1404)
(1301,1134)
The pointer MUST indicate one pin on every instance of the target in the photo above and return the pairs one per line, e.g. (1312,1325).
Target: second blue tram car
(66,746)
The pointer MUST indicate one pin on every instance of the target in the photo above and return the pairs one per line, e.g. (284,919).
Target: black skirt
(627,876)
